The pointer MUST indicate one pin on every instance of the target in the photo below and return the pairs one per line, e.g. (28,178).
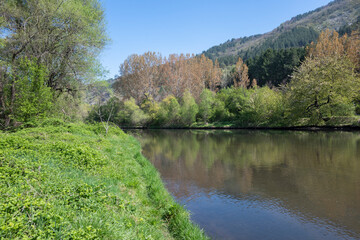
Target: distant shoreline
(302,128)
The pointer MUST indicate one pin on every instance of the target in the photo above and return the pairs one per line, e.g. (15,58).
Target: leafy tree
(63,36)
(151,108)
(323,87)
(267,107)
(207,99)
(169,113)
(132,114)
(220,112)
(140,76)
(33,98)
(188,109)
(236,102)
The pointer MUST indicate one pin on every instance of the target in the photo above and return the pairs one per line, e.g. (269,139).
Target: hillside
(297,32)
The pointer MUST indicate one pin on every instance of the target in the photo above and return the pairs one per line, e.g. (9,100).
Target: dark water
(262,184)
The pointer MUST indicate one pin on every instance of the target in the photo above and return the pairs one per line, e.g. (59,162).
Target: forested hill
(297,32)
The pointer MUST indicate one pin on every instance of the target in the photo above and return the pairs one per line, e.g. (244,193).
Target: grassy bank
(69,181)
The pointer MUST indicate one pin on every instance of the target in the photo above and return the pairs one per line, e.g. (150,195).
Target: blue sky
(188,26)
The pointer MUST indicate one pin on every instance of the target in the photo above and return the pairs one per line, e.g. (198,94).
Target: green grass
(69,181)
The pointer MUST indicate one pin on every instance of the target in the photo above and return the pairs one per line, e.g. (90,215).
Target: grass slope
(68,181)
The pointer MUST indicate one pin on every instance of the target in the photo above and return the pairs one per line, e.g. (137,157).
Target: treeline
(295,38)
(323,90)
(151,75)
(48,50)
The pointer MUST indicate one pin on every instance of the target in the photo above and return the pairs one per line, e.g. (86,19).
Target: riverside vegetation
(69,181)
(319,89)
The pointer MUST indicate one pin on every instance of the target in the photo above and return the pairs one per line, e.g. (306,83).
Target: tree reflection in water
(314,176)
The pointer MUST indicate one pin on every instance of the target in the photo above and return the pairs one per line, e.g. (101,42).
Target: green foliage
(108,110)
(151,108)
(207,99)
(274,67)
(237,103)
(69,106)
(297,37)
(67,181)
(58,53)
(268,107)
(132,114)
(169,113)
(220,112)
(188,109)
(27,96)
(322,88)
(33,97)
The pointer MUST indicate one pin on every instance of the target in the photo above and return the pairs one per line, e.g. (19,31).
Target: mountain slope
(297,32)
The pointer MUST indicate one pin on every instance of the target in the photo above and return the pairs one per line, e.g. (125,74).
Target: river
(243,184)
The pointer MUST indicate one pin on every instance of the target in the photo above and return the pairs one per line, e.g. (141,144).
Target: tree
(236,102)
(331,50)
(274,67)
(207,99)
(169,112)
(323,87)
(33,97)
(241,78)
(328,44)
(267,107)
(105,104)
(133,115)
(140,76)
(188,109)
(63,36)
(151,108)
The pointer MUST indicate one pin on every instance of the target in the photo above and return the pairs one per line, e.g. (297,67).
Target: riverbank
(234,127)
(69,181)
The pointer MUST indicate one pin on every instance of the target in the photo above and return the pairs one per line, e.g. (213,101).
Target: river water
(245,184)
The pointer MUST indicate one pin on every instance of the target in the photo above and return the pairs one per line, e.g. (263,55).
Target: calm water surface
(262,184)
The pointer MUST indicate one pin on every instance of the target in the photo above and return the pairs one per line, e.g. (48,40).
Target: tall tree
(322,88)
(140,76)
(326,84)
(241,77)
(63,36)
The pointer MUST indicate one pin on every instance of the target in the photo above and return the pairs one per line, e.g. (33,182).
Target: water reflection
(262,184)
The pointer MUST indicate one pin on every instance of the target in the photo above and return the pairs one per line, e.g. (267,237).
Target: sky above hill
(188,26)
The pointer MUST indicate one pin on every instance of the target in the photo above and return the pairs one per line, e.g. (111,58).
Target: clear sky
(188,26)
